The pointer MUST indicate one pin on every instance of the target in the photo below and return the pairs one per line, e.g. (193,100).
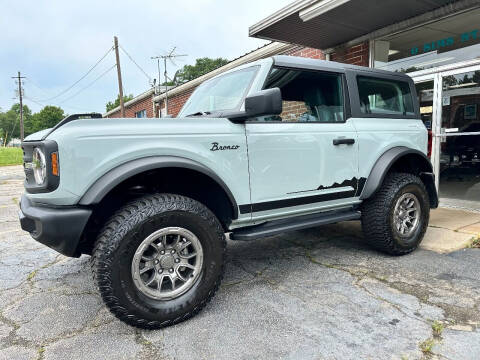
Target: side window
(386,97)
(308,96)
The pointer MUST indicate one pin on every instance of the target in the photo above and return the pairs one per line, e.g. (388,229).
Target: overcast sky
(54,42)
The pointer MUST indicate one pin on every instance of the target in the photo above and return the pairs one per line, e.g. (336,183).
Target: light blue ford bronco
(276,145)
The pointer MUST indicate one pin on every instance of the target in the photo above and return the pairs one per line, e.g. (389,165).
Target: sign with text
(443,44)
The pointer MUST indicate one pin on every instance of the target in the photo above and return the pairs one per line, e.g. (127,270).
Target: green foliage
(11,156)
(112,105)
(201,67)
(48,117)
(427,346)
(8,126)
(437,328)
(10,122)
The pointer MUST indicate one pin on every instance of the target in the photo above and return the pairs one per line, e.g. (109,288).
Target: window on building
(141,113)
(449,40)
(308,96)
(386,97)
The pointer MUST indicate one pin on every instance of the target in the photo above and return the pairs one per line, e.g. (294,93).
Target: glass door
(425,91)
(457,123)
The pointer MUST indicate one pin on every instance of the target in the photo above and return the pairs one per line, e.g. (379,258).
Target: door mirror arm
(260,103)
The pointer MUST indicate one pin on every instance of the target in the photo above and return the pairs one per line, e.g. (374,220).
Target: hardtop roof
(316,64)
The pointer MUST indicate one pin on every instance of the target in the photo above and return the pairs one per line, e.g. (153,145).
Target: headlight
(42,166)
(39,166)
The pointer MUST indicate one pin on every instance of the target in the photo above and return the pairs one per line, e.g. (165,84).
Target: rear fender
(416,159)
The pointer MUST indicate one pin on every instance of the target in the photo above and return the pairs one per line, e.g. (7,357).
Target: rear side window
(385,97)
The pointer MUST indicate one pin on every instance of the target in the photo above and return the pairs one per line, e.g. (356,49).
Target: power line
(43,105)
(93,82)
(138,66)
(83,77)
(36,85)
(30,80)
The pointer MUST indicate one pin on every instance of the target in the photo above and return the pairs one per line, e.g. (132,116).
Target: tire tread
(374,225)
(117,227)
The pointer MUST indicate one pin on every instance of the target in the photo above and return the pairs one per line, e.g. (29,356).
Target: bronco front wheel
(159,260)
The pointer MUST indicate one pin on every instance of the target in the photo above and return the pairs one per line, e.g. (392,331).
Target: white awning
(329,23)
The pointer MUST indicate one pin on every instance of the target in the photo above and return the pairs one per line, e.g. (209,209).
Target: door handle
(341,141)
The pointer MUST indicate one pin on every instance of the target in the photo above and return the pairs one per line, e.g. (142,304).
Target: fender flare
(103,185)
(385,162)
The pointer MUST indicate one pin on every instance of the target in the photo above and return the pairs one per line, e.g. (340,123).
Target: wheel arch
(402,159)
(110,180)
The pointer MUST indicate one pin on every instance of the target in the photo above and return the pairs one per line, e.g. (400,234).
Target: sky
(53,43)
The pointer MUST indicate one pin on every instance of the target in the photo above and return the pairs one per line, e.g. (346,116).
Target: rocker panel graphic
(356,184)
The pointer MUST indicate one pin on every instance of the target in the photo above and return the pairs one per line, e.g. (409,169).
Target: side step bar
(297,223)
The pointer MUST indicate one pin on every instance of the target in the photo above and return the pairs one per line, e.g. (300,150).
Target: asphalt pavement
(313,294)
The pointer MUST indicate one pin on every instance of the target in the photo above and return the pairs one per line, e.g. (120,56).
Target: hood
(38,135)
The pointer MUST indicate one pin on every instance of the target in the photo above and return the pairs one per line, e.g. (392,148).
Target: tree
(9,127)
(112,105)
(47,118)
(10,122)
(201,67)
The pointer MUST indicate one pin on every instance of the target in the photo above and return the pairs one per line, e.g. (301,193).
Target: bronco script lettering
(216,147)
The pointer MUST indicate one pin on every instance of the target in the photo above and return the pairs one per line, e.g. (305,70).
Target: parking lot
(312,294)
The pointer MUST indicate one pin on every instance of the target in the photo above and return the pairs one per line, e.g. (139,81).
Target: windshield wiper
(199,113)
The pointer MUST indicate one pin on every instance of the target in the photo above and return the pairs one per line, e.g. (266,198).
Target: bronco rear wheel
(395,219)
(159,260)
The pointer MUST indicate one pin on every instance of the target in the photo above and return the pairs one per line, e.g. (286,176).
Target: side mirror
(263,102)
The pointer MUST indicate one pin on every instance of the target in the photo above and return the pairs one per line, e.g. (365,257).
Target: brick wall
(176,102)
(356,55)
(306,52)
(291,110)
(144,104)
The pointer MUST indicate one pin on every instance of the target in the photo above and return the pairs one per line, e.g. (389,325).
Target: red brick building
(140,106)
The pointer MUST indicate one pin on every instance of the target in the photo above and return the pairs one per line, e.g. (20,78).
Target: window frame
(141,111)
(352,79)
(346,98)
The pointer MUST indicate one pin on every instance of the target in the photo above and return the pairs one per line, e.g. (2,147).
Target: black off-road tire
(378,214)
(116,245)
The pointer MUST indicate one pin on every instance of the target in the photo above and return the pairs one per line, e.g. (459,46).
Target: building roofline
(279,15)
(136,99)
(262,52)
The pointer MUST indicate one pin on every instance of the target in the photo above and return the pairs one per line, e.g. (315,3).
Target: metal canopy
(338,21)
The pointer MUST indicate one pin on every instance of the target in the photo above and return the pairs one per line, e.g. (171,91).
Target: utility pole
(20,95)
(119,75)
(170,56)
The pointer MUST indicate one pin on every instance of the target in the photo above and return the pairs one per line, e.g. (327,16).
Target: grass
(475,242)
(437,328)
(427,346)
(11,156)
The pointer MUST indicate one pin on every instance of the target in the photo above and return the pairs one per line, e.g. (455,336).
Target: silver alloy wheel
(406,215)
(167,263)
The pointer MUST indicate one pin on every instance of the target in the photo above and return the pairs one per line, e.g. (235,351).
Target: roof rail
(71,118)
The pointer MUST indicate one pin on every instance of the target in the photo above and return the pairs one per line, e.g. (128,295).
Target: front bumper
(59,228)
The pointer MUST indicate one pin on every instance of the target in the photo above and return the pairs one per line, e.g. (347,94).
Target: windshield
(225,92)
